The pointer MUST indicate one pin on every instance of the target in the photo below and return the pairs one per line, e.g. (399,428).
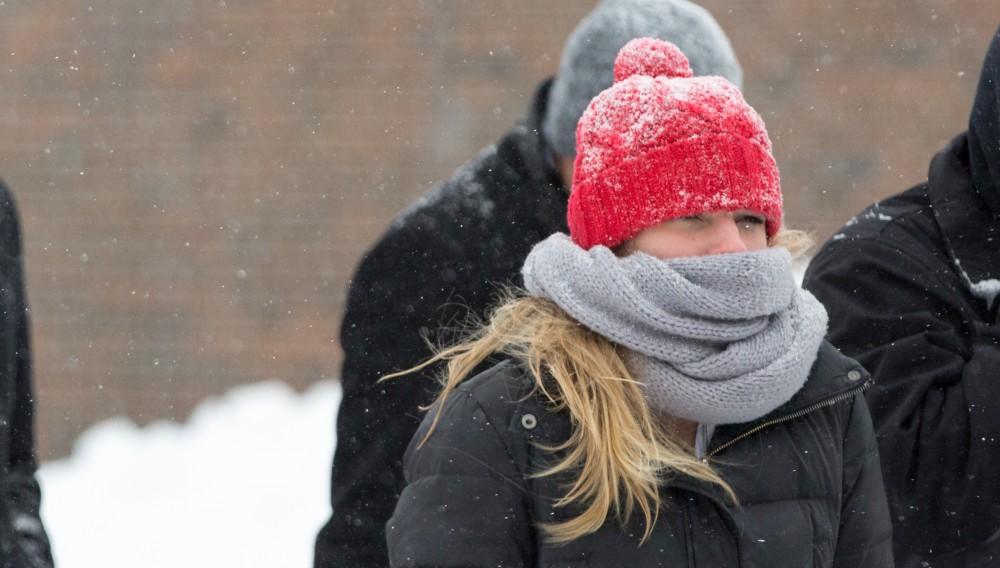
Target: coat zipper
(816,406)
(688,532)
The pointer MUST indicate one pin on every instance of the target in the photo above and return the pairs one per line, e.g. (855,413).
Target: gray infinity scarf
(718,339)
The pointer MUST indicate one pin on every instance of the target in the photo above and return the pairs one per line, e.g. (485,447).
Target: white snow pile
(245,482)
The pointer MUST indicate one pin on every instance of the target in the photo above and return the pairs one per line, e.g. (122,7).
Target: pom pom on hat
(660,144)
(652,58)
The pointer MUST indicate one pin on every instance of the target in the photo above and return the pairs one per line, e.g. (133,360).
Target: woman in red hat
(665,396)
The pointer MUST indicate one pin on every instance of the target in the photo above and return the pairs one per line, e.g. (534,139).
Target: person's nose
(726,236)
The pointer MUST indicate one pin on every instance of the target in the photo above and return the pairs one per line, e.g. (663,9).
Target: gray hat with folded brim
(588,60)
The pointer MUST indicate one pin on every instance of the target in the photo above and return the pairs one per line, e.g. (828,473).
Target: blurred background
(197,180)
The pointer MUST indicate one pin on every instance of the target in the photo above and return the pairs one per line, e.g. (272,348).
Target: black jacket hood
(984,129)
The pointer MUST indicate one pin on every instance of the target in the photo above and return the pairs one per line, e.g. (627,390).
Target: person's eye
(751,221)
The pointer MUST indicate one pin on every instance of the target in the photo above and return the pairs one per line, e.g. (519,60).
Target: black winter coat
(445,258)
(23,542)
(910,285)
(900,303)
(807,477)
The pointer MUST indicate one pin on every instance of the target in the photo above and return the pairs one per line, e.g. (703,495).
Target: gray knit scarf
(718,339)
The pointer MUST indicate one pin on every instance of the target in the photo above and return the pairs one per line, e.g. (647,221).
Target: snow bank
(245,482)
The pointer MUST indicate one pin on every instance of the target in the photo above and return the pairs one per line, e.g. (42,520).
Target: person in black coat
(666,397)
(23,541)
(478,493)
(912,286)
(446,258)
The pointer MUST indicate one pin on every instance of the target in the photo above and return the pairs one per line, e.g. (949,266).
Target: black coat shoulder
(903,222)
(467,479)
(482,410)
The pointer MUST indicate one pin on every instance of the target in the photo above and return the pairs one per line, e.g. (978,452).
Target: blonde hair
(797,242)
(619,447)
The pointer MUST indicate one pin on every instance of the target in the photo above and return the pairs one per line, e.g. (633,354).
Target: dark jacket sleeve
(465,502)
(22,498)
(410,284)
(935,398)
(865,536)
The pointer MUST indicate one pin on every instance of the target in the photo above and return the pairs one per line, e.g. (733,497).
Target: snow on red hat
(661,144)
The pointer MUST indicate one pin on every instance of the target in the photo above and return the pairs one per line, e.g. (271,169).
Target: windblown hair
(619,451)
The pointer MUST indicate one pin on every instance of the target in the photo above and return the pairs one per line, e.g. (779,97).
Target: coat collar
(833,376)
(970,228)
(538,158)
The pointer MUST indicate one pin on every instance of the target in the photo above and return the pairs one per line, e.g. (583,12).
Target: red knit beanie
(661,144)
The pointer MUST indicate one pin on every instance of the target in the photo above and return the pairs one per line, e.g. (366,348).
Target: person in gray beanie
(446,257)
(588,59)
(664,396)
(589,56)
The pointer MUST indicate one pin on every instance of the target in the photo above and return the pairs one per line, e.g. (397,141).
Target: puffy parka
(807,477)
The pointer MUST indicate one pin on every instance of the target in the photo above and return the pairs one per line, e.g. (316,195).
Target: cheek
(756,240)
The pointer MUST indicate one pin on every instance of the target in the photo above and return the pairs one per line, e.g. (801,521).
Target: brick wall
(198,179)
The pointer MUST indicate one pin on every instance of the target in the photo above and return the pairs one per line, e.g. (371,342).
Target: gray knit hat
(588,60)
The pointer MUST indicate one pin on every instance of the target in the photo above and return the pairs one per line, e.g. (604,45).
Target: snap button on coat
(528,421)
